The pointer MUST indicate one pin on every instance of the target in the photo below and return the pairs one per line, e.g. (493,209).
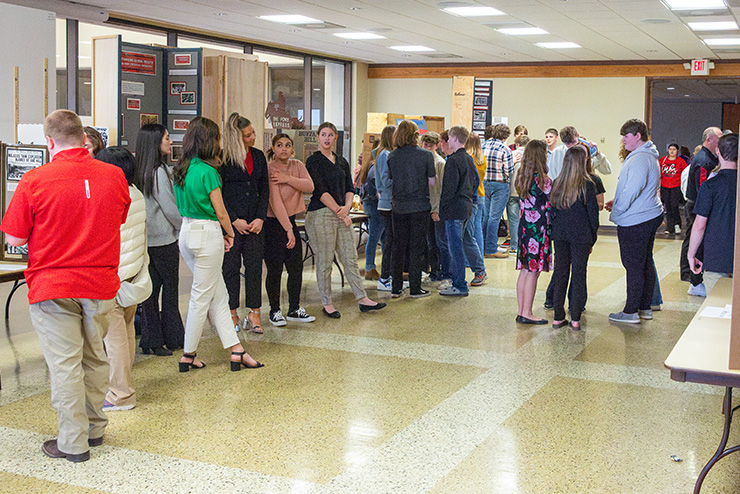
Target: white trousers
(202,248)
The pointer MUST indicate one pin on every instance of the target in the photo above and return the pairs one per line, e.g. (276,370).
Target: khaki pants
(120,345)
(329,235)
(71,332)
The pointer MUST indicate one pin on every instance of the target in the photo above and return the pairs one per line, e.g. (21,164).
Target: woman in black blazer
(575,222)
(245,188)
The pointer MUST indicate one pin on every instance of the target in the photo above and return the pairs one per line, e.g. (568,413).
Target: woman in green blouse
(203,242)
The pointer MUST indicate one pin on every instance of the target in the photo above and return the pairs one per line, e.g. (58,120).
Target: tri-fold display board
(134,85)
(138,84)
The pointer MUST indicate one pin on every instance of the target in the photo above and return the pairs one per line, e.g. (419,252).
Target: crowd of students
(434,202)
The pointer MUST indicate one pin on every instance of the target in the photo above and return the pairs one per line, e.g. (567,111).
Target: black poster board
(482,105)
(182,93)
(16,161)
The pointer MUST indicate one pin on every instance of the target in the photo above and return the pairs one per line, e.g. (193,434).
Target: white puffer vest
(133,237)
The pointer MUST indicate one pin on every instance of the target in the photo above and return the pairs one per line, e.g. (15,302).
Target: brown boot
(372,275)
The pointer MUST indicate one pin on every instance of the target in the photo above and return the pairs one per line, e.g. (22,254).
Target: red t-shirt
(71,210)
(670,172)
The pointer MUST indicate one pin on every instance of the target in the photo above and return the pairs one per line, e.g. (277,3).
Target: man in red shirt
(671,167)
(70,212)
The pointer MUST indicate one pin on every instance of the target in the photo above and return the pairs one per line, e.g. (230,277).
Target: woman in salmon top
(289,180)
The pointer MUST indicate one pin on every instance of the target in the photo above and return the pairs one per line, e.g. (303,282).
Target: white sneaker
(425,277)
(384,285)
(677,229)
(277,319)
(444,284)
(300,315)
(698,290)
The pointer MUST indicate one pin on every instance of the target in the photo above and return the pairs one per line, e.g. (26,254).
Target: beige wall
(597,107)
(411,97)
(17,26)
(359,109)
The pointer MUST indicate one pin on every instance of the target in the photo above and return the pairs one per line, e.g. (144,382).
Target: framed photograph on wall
(187,98)
(148,118)
(180,124)
(177,87)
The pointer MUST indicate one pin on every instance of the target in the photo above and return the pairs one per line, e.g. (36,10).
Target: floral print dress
(534,253)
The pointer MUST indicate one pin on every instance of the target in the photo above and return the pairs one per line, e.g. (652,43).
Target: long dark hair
(202,140)
(149,157)
(534,162)
(120,157)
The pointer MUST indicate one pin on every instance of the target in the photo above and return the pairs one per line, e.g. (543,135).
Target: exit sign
(700,67)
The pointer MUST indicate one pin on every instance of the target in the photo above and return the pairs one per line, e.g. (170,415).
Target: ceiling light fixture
(713,26)
(695,4)
(290,19)
(522,31)
(472,11)
(414,48)
(359,36)
(558,45)
(221,14)
(670,88)
(722,42)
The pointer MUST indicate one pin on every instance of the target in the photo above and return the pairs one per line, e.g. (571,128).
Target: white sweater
(133,237)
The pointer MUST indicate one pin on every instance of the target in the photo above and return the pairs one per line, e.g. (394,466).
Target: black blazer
(246,196)
(580,222)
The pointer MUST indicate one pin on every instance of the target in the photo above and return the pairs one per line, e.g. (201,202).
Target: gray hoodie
(637,199)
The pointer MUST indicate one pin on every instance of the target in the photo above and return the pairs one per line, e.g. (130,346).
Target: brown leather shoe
(51,450)
(500,255)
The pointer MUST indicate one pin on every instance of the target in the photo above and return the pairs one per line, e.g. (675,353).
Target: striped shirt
(500,161)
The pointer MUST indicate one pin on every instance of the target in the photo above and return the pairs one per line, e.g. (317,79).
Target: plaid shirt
(500,161)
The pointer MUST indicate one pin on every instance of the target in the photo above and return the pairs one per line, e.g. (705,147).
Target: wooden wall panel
(462,101)
(722,69)
(105,90)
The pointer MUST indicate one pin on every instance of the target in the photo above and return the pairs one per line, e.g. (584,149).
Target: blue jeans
(657,296)
(478,218)
(512,213)
(375,232)
(454,230)
(473,253)
(440,235)
(497,195)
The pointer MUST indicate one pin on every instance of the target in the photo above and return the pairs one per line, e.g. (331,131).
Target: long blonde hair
(474,149)
(234,151)
(534,162)
(571,182)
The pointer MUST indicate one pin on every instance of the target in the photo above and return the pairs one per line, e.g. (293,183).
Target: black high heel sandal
(237,366)
(185,366)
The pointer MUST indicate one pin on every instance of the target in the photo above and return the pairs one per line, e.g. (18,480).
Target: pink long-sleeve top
(287,199)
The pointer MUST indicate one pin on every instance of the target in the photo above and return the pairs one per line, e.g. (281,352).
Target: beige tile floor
(429,395)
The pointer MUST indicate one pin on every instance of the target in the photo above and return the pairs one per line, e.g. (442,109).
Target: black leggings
(278,254)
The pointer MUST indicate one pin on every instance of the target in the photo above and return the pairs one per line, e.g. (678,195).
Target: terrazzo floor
(429,395)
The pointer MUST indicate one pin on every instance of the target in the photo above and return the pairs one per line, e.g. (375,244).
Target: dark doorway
(682,108)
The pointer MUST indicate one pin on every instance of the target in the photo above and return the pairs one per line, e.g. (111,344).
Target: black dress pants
(249,249)
(432,250)
(277,255)
(571,262)
(636,250)
(686,273)
(387,263)
(163,327)
(409,235)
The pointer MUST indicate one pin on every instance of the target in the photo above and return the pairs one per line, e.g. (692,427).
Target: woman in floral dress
(534,254)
